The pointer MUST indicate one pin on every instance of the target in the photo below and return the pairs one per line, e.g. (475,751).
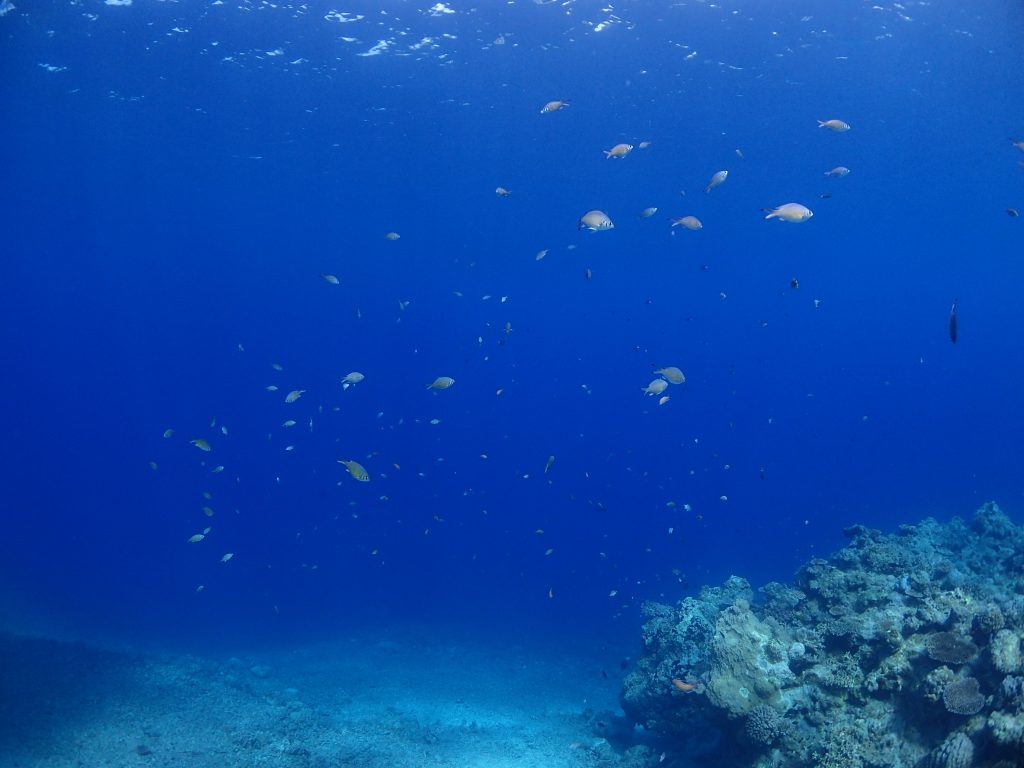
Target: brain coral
(962,697)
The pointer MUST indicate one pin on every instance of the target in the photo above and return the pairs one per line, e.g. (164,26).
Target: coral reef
(900,650)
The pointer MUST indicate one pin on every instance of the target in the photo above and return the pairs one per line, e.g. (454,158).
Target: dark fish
(952,321)
(1013,213)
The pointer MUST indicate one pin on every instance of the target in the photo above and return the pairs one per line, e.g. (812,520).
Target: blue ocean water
(178,176)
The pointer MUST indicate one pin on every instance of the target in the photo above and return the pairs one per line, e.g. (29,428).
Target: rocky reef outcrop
(900,651)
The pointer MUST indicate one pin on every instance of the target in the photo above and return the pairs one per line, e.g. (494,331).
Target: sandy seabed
(363,700)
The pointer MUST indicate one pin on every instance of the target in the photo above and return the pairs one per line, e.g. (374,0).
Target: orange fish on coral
(682,686)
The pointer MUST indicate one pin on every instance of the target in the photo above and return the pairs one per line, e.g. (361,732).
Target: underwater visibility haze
(519,383)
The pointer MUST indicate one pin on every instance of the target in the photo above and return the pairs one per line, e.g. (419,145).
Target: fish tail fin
(821,123)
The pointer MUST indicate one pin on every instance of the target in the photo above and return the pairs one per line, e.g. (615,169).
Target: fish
(351,379)
(554,106)
(646,213)
(716,181)
(838,172)
(952,322)
(682,686)
(687,222)
(834,125)
(168,433)
(656,387)
(392,236)
(294,395)
(502,192)
(618,151)
(663,399)
(196,538)
(332,279)
(357,470)
(1013,213)
(540,255)
(227,557)
(792,212)
(441,382)
(595,221)
(673,374)
(201,444)
(548,464)
(644,144)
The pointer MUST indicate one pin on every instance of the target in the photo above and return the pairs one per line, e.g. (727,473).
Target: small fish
(644,144)
(834,125)
(227,557)
(673,374)
(332,279)
(357,470)
(646,213)
(792,212)
(392,236)
(351,379)
(656,387)
(618,151)
(663,399)
(1013,213)
(289,423)
(168,433)
(739,154)
(595,221)
(207,511)
(794,283)
(277,366)
(716,181)
(589,274)
(548,464)
(838,172)
(217,470)
(196,538)
(294,395)
(201,444)
(441,382)
(540,255)
(1017,144)
(502,192)
(952,322)
(272,388)
(687,222)
(554,106)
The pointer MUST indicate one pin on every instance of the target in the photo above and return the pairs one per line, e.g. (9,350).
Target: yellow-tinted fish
(351,379)
(595,221)
(294,395)
(441,382)
(717,180)
(619,150)
(834,125)
(553,106)
(687,222)
(673,374)
(357,470)
(792,212)
(656,387)
(201,444)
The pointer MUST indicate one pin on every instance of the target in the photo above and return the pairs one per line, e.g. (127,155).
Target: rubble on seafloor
(901,650)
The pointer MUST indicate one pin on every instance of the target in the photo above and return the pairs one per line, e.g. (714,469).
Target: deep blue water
(172,197)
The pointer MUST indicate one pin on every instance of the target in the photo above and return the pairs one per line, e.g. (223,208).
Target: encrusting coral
(900,650)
